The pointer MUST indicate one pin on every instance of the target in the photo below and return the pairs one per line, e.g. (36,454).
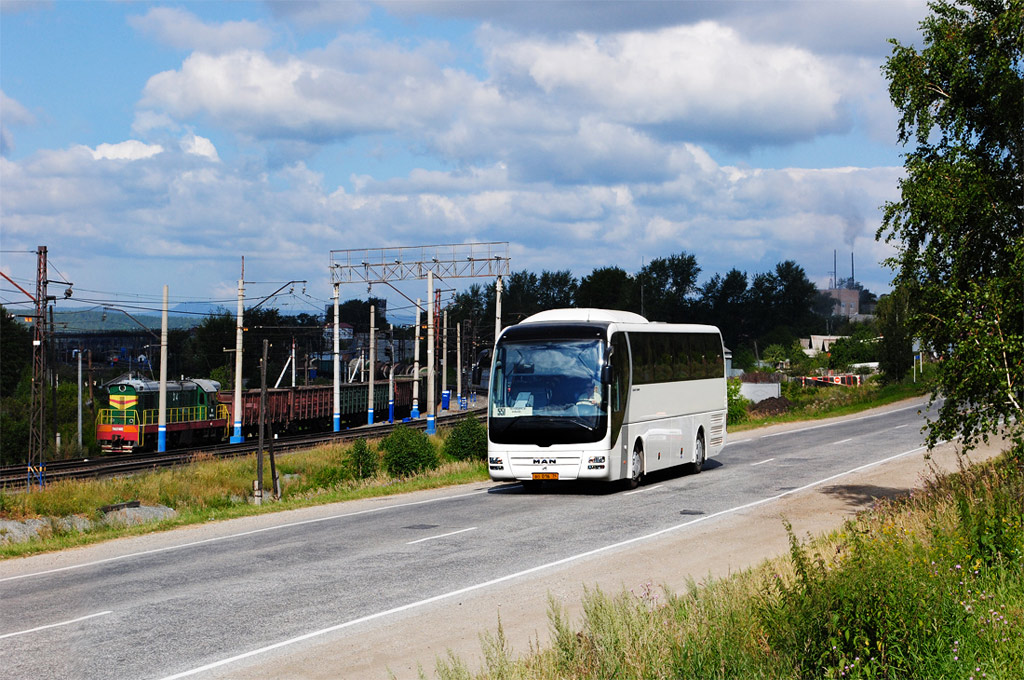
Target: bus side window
(681,358)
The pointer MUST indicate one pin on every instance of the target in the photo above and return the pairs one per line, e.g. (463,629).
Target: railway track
(15,476)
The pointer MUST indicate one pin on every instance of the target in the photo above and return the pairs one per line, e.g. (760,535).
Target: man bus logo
(545,461)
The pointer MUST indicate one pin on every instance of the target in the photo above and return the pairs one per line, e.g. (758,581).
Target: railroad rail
(15,477)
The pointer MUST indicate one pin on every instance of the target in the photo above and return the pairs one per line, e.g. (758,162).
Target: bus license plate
(545,475)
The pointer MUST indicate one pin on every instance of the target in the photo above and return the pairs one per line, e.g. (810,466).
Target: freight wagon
(199,412)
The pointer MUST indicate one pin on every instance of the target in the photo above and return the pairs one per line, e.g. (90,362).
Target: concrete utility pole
(79,400)
(497,308)
(458,363)
(444,359)
(416,365)
(257,487)
(431,405)
(373,368)
(337,361)
(237,436)
(161,430)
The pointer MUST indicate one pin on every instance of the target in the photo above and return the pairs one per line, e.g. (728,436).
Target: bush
(468,441)
(737,403)
(407,451)
(362,461)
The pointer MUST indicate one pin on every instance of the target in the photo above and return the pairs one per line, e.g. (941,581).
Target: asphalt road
(181,603)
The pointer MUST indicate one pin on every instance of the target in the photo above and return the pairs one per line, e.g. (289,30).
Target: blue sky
(157,143)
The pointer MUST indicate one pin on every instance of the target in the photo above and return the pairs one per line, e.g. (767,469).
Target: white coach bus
(595,394)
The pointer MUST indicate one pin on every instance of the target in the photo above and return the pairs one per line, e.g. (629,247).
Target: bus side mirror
(606,374)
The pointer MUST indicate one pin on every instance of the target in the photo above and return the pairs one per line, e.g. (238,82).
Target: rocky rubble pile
(19,531)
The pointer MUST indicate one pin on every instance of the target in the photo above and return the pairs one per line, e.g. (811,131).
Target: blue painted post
(161,437)
(416,365)
(431,403)
(373,369)
(237,436)
(337,362)
(391,393)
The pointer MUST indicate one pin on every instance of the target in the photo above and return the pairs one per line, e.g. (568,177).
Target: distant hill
(81,321)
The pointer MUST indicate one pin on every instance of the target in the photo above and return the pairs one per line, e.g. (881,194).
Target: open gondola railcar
(131,422)
(312,407)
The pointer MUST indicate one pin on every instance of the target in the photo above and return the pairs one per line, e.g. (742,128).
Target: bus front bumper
(556,466)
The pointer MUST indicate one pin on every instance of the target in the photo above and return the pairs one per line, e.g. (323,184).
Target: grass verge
(209,490)
(929,586)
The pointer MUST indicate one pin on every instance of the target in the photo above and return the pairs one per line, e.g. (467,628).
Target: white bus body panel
(664,417)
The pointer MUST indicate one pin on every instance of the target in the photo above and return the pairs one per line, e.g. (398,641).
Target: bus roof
(585,314)
(624,321)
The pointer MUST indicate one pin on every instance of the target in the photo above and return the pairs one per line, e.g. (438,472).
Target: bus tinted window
(665,357)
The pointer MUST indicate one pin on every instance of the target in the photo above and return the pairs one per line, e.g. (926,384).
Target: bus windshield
(548,391)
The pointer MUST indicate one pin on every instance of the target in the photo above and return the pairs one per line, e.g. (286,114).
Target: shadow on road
(863,495)
(574,488)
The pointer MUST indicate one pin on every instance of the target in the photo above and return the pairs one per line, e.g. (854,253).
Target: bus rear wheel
(637,473)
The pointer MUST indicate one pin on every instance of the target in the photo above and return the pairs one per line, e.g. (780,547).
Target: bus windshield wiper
(575,420)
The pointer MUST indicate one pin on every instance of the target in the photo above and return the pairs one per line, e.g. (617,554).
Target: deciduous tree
(958,223)
(607,288)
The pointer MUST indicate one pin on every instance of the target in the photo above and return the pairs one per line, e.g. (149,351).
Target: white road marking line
(431,538)
(841,422)
(55,625)
(239,535)
(525,572)
(762,462)
(641,490)
(802,429)
(903,425)
(841,441)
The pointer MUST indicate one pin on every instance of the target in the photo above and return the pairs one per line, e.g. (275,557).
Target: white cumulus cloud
(184,30)
(130,150)
(199,146)
(702,81)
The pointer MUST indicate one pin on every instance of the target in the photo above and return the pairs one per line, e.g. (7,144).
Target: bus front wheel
(637,472)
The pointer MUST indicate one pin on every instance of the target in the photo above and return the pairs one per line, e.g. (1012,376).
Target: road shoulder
(406,642)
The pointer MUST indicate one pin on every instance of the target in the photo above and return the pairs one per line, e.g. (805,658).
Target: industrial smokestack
(852,279)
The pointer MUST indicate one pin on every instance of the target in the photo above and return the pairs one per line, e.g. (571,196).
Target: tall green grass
(930,586)
(812,403)
(210,489)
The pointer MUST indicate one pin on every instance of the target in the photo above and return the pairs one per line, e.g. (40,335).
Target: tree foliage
(15,352)
(665,284)
(606,288)
(957,226)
